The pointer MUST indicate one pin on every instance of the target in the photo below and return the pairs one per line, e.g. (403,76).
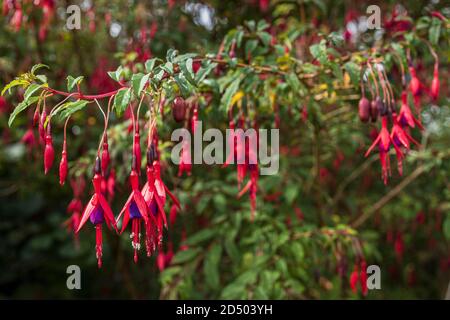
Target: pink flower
(383,142)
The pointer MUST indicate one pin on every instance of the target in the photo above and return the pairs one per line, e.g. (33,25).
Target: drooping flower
(354,278)
(98,211)
(28,139)
(383,142)
(135,209)
(49,152)
(105,154)
(363,277)
(405,116)
(435,84)
(63,164)
(400,138)
(154,193)
(185,159)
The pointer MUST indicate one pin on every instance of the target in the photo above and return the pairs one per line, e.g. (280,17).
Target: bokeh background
(302,244)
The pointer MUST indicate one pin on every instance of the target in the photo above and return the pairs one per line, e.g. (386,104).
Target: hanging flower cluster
(383,105)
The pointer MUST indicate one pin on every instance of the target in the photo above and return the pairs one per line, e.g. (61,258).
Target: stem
(104,130)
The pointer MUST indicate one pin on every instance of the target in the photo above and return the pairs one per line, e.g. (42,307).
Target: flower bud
(364,109)
(179,109)
(63,165)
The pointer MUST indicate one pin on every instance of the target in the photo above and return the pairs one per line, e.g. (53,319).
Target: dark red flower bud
(98,166)
(196,66)
(435,84)
(63,165)
(36,117)
(364,109)
(373,110)
(414,85)
(179,109)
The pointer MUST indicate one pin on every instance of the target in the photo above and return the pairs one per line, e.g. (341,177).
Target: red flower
(49,152)
(354,279)
(383,142)
(105,154)
(400,138)
(135,209)
(185,159)
(98,211)
(435,84)
(363,277)
(63,165)
(154,193)
(405,117)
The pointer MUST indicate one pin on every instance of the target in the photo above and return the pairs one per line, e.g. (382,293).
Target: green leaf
(203,72)
(31,90)
(15,83)
(72,107)
(184,57)
(71,82)
(116,75)
(434,31)
(167,67)
(21,107)
(150,64)
(185,255)
(37,67)
(211,266)
(265,37)
(262,25)
(446,227)
(229,93)
(319,51)
(138,82)
(188,71)
(121,100)
(295,84)
(184,86)
(200,236)
(42,78)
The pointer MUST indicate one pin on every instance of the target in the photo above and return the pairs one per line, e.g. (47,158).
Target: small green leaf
(15,83)
(138,82)
(229,93)
(434,31)
(185,255)
(31,90)
(211,266)
(71,82)
(72,107)
(200,236)
(150,64)
(188,71)
(121,100)
(21,107)
(184,86)
(116,75)
(203,72)
(38,66)
(167,67)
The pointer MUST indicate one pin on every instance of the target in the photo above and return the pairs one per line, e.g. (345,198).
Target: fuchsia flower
(105,154)
(49,152)
(400,138)
(154,192)
(383,142)
(435,84)
(405,117)
(63,165)
(136,210)
(163,260)
(185,159)
(28,139)
(98,211)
